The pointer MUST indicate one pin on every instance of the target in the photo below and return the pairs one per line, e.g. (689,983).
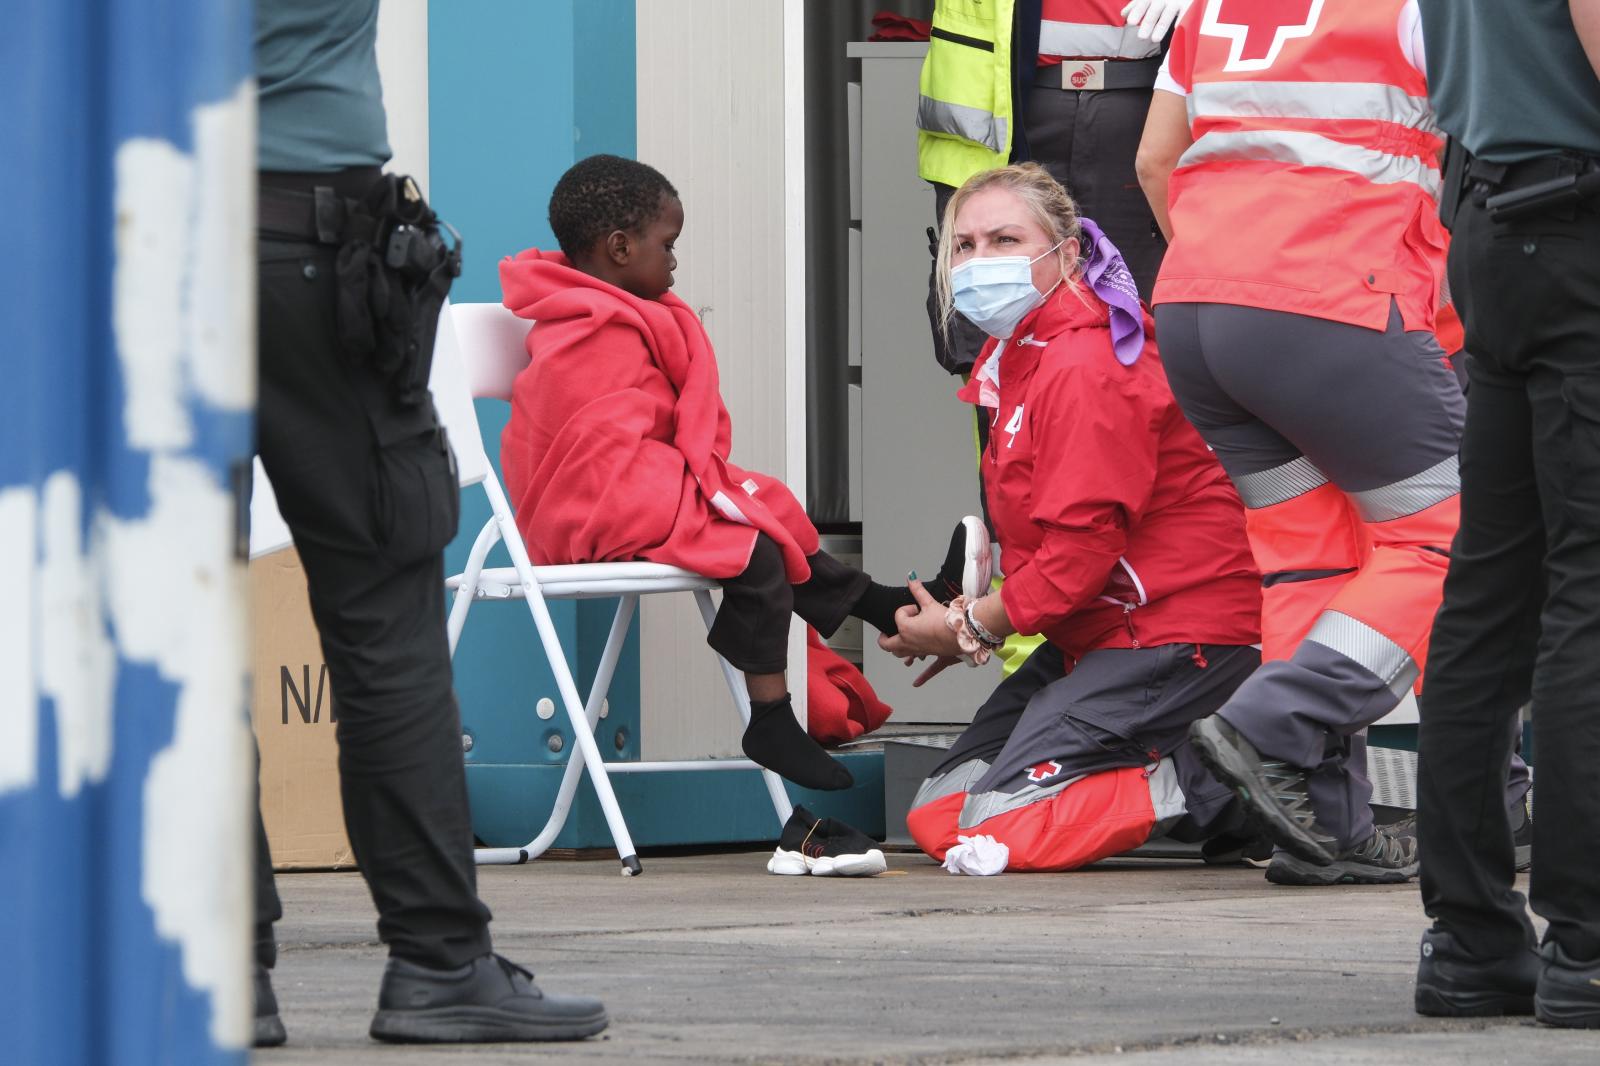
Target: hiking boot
(1387,857)
(1568,994)
(490,1000)
(1274,794)
(1522,835)
(269,1031)
(1454,984)
(825,847)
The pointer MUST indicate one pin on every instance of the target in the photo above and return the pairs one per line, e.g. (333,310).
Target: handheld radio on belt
(394,268)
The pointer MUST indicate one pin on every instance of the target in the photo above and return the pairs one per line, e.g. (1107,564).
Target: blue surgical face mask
(996,293)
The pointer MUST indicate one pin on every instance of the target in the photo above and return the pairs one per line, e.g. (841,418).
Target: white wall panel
(403,67)
(713,113)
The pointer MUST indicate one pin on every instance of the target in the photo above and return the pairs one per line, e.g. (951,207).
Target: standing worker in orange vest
(1292,159)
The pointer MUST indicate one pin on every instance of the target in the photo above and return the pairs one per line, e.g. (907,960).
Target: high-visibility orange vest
(1313,179)
(1091,29)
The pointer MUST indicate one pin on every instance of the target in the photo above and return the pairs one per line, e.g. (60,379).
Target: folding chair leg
(741,702)
(574,766)
(468,589)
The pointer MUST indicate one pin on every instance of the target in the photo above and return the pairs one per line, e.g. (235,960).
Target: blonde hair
(1047,202)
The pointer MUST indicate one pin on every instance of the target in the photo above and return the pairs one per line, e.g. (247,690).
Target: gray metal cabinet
(914,441)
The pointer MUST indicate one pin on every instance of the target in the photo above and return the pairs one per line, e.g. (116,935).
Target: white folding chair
(489,341)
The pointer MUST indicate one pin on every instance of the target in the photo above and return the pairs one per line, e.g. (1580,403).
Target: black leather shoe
(1569,990)
(1454,984)
(269,1031)
(490,1000)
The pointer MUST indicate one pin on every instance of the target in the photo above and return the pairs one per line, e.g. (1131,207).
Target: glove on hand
(1154,17)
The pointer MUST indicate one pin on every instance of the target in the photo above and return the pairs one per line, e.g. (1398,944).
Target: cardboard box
(294,713)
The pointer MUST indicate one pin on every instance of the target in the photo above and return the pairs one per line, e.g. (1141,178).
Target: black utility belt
(1535,186)
(1089,75)
(319,216)
(394,265)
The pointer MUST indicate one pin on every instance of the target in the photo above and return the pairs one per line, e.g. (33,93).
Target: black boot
(490,1000)
(269,1031)
(1454,984)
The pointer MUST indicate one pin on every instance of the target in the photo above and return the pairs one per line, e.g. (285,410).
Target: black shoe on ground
(269,1031)
(825,847)
(490,1000)
(1522,835)
(1387,857)
(1229,849)
(1569,991)
(1454,984)
(1274,794)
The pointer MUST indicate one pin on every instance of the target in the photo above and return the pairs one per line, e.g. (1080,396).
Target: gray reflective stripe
(958,120)
(1411,495)
(1367,648)
(1166,796)
(1089,39)
(1312,99)
(1267,487)
(985,805)
(959,779)
(1299,148)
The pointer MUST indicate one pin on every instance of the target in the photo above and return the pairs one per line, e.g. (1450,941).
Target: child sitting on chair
(618,447)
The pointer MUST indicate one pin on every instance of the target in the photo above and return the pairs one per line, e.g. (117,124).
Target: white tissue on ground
(981,856)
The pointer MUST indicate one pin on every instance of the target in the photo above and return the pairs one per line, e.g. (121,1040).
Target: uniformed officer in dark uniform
(367,485)
(1517,86)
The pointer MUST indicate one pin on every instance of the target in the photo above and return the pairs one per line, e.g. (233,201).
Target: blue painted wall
(518,92)
(100,93)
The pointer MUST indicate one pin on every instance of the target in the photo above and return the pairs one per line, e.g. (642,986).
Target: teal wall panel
(517,92)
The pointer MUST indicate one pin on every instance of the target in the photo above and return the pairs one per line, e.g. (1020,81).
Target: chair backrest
(493,346)
(453,384)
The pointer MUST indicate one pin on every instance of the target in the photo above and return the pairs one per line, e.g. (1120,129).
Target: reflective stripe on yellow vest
(964,112)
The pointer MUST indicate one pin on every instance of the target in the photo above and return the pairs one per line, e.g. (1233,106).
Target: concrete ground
(708,959)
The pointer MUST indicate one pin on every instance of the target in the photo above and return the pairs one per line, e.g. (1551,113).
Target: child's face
(647,264)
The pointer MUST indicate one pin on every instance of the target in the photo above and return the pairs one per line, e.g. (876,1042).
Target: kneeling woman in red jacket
(1121,538)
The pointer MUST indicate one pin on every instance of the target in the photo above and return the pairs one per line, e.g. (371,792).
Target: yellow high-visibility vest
(965,117)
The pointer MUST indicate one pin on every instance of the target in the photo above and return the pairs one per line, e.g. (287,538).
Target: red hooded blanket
(618,442)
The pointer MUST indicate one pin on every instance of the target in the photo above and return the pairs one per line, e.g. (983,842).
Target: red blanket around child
(618,442)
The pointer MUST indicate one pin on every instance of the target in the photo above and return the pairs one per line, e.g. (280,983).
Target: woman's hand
(922,629)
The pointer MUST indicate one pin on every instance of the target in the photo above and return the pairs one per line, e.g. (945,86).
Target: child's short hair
(604,193)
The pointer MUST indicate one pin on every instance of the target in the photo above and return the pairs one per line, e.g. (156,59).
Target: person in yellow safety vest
(1076,106)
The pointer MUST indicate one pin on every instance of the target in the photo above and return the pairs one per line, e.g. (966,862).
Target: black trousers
(1521,609)
(369,491)
(751,630)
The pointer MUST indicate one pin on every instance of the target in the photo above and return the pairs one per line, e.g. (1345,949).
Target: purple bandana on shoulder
(1111,280)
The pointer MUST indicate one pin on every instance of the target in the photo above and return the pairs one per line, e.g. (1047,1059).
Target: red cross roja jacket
(1117,526)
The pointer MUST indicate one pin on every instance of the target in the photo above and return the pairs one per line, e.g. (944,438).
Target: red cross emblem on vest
(1044,771)
(1257,29)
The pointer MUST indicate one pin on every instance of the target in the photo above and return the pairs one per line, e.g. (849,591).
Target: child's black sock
(877,606)
(954,567)
(775,740)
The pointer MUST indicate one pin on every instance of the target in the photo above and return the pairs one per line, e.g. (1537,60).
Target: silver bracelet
(976,628)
